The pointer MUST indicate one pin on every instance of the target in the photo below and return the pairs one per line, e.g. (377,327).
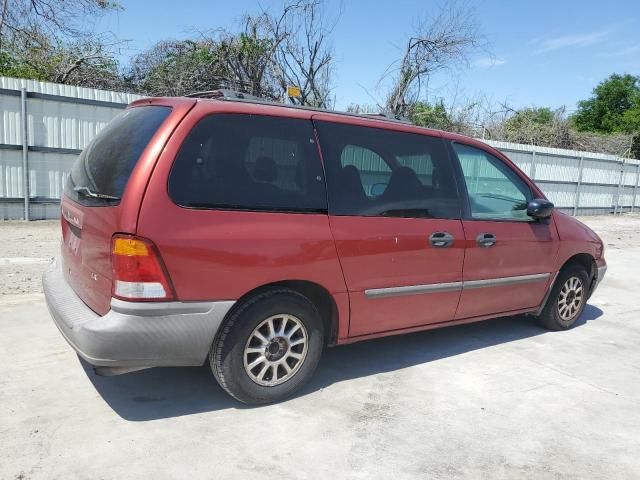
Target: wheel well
(317,294)
(583,259)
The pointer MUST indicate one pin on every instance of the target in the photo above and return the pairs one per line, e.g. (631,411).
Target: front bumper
(600,271)
(134,334)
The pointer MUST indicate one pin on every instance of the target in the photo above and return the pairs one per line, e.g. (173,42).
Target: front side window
(495,191)
(249,162)
(377,172)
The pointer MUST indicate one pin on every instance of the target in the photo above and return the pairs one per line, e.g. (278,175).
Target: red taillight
(138,271)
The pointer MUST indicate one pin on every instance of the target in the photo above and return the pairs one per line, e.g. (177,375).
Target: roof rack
(234,95)
(224,93)
(388,116)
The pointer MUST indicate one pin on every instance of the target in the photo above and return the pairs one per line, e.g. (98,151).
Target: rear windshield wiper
(86,191)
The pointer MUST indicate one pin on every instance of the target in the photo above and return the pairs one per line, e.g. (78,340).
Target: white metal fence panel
(48,173)
(10,131)
(10,174)
(585,183)
(70,91)
(66,125)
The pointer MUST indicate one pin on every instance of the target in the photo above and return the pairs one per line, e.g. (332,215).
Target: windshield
(101,172)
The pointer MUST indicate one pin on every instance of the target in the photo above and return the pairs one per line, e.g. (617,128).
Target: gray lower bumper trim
(134,334)
(600,271)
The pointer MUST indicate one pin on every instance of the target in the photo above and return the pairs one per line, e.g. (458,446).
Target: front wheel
(268,348)
(567,299)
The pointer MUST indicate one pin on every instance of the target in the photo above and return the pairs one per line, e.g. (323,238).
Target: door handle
(486,240)
(441,239)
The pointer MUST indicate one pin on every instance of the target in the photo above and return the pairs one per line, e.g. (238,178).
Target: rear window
(101,172)
(249,162)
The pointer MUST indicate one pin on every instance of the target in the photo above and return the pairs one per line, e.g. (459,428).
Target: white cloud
(488,62)
(623,52)
(571,41)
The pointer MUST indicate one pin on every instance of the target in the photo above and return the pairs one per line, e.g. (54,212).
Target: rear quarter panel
(223,254)
(86,254)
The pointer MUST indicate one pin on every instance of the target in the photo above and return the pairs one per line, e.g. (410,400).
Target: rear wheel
(268,348)
(567,299)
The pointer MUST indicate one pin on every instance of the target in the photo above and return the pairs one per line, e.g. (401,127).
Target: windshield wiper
(90,193)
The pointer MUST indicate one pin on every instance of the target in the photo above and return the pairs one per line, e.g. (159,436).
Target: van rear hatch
(91,207)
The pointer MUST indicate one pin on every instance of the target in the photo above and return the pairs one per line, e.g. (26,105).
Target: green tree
(87,62)
(430,115)
(529,116)
(537,126)
(614,106)
(175,68)
(49,40)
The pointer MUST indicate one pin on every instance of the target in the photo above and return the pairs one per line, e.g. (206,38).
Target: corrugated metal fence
(580,183)
(60,120)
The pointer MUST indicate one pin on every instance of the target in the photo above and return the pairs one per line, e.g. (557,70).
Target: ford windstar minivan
(251,235)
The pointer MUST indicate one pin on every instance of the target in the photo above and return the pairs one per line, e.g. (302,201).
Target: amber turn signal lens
(129,246)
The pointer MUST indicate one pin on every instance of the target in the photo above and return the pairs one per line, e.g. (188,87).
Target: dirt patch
(616,231)
(26,249)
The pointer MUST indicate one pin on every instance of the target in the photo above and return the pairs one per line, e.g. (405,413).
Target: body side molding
(454,286)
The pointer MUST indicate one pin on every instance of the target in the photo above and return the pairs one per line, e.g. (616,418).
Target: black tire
(550,317)
(227,355)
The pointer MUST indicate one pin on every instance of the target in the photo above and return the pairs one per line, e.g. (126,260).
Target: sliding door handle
(486,240)
(441,239)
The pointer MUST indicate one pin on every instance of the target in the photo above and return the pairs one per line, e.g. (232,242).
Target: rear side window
(249,162)
(376,172)
(101,172)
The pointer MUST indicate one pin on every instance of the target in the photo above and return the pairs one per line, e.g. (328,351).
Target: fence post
(617,204)
(533,165)
(25,150)
(576,203)
(635,188)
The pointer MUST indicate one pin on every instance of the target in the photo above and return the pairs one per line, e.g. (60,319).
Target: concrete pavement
(498,399)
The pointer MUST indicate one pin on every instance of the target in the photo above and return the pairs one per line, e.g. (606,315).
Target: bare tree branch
(441,42)
(303,56)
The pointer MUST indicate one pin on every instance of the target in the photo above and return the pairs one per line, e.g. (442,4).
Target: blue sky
(540,53)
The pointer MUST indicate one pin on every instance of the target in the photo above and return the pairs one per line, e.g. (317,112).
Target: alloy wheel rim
(570,298)
(275,350)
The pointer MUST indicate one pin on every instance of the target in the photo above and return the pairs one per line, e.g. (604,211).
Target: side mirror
(539,208)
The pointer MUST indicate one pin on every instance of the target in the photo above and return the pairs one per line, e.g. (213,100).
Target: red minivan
(252,234)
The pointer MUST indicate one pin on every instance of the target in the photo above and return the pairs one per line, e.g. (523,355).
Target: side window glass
(374,172)
(377,172)
(265,153)
(249,162)
(495,191)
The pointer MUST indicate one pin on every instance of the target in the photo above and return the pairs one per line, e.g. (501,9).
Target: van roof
(231,96)
(275,108)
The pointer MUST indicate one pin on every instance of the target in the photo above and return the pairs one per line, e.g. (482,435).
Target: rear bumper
(134,334)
